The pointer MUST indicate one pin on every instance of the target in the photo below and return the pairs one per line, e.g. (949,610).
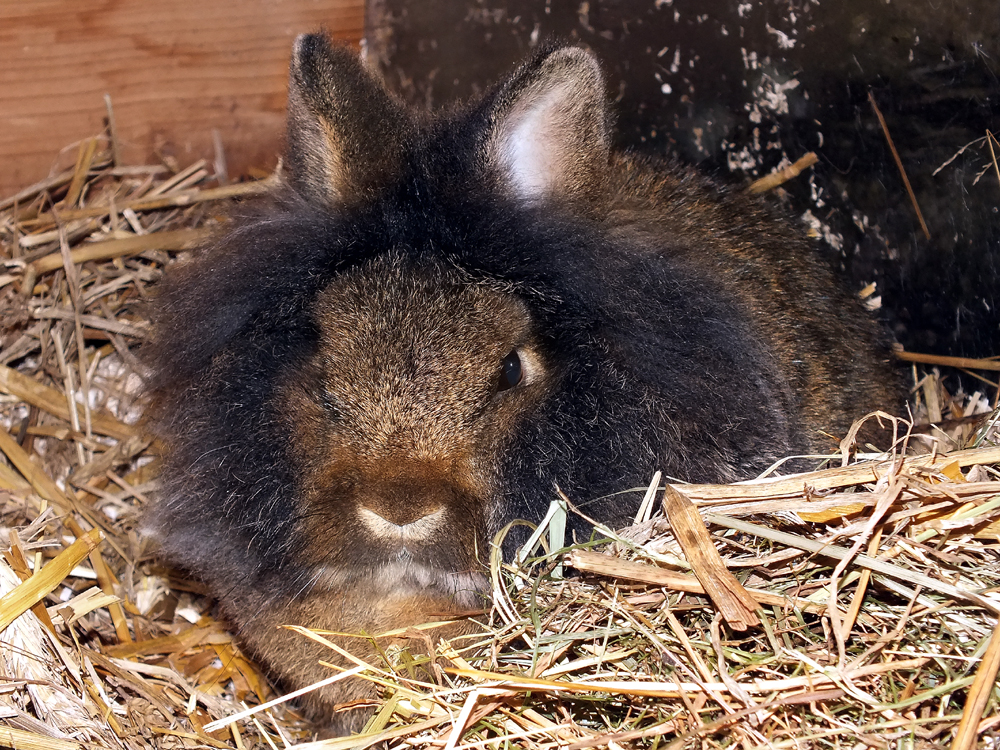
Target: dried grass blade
(40,481)
(84,158)
(11,481)
(74,231)
(979,695)
(863,561)
(465,715)
(68,380)
(614,739)
(169,644)
(177,239)
(937,359)
(676,689)
(735,605)
(524,683)
(177,179)
(52,401)
(781,176)
(31,191)
(91,321)
(81,604)
(201,739)
(104,580)
(595,562)
(174,200)
(899,165)
(133,679)
(362,741)
(220,723)
(851,616)
(19,564)
(36,588)
(30,741)
(830,479)
(990,140)
(116,158)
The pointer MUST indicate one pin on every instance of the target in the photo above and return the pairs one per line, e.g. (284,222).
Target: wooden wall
(176,71)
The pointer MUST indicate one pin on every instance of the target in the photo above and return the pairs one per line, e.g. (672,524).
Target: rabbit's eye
(511,372)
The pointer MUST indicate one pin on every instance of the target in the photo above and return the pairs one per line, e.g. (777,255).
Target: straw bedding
(852,606)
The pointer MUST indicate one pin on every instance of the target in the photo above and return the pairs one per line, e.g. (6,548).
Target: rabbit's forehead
(409,360)
(399,313)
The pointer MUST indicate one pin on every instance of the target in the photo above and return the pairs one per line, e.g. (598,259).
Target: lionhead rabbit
(438,319)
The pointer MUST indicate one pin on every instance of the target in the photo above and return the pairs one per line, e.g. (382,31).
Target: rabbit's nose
(404,527)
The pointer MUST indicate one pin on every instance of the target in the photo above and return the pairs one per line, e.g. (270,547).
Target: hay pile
(853,606)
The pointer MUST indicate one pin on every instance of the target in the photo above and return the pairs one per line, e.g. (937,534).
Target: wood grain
(175,72)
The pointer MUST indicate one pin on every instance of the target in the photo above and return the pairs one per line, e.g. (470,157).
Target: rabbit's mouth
(406,575)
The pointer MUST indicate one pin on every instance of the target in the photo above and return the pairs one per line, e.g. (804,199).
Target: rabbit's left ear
(345,133)
(549,133)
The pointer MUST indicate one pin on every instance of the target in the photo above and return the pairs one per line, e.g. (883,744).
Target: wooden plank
(175,72)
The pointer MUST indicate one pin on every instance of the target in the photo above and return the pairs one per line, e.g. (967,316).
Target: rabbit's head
(417,384)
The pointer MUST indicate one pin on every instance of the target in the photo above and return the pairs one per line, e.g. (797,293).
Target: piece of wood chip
(734,603)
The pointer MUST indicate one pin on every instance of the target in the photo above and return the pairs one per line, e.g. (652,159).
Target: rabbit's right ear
(345,133)
(550,134)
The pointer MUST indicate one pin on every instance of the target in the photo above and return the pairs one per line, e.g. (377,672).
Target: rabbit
(435,320)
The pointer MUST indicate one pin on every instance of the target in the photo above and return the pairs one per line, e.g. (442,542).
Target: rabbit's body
(440,320)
